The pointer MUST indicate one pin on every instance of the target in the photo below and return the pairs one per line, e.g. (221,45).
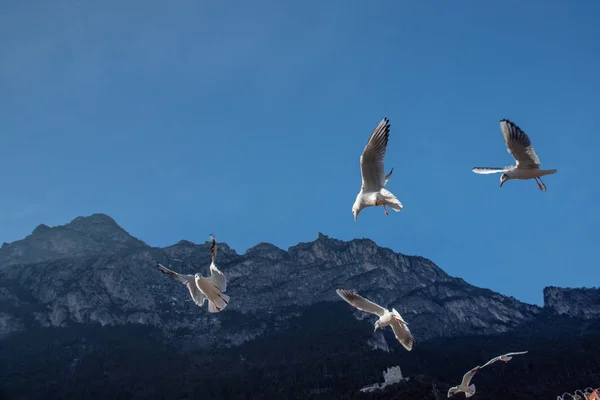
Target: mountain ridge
(92,271)
(84,307)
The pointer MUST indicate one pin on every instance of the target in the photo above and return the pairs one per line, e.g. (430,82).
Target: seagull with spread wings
(505,357)
(202,288)
(468,390)
(393,318)
(528,163)
(373,191)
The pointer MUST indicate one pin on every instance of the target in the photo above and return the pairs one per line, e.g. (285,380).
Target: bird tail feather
(549,171)
(218,304)
(390,200)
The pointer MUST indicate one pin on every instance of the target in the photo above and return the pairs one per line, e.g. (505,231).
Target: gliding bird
(528,163)
(393,318)
(505,357)
(202,288)
(468,390)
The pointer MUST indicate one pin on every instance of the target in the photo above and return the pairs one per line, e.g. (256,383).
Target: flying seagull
(202,288)
(505,357)
(468,390)
(393,318)
(373,191)
(528,163)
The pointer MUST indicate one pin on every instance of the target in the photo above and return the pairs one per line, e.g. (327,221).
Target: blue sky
(247,120)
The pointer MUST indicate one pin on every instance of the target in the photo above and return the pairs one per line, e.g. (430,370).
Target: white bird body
(465,386)
(202,288)
(386,317)
(519,146)
(520,173)
(372,191)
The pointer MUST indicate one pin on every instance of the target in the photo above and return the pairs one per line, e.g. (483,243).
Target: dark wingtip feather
(347,294)
(213,247)
(162,269)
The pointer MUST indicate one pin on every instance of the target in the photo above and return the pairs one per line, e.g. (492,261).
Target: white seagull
(468,390)
(372,191)
(202,288)
(393,318)
(528,163)
(505,357)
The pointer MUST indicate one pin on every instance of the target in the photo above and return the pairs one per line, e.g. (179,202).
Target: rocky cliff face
(93,271)
(576,302)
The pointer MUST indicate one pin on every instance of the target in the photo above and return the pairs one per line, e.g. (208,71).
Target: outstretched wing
(216,277)
(181,278)
(213,248)
(371,160)
(516,353)
(360,302)
(519,145)
(488,170)
(493,360)
(387,177)
(469,375)
(187,280)
(402,333)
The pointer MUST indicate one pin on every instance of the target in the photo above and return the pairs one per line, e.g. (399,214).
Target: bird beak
(355,216)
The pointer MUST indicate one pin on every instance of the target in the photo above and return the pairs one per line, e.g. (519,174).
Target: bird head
(503,178)
(197,276)
(452,391)
(356,207)
(355,212)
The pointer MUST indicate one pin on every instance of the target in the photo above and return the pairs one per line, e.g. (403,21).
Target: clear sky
(247,120)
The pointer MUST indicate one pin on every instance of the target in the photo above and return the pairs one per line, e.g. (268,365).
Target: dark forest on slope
(316,356)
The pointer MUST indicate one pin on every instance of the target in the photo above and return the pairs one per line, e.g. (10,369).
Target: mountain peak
(40,229)
(184,242)
(97,218)
(322,236)
(94,234)
(267,250)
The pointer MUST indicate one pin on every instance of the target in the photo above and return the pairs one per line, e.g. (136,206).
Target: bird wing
(360,302)
(493,360)
(195,292)
(181,278)
(402,333)
(216,277)
(213,248)
(371,160)
(488,170)
(519,145)
(516,353)
(187,280)
(387,177)
(469,375)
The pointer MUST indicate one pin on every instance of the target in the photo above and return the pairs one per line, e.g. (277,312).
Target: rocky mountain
(85,313)
(575,302)
(92,271)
